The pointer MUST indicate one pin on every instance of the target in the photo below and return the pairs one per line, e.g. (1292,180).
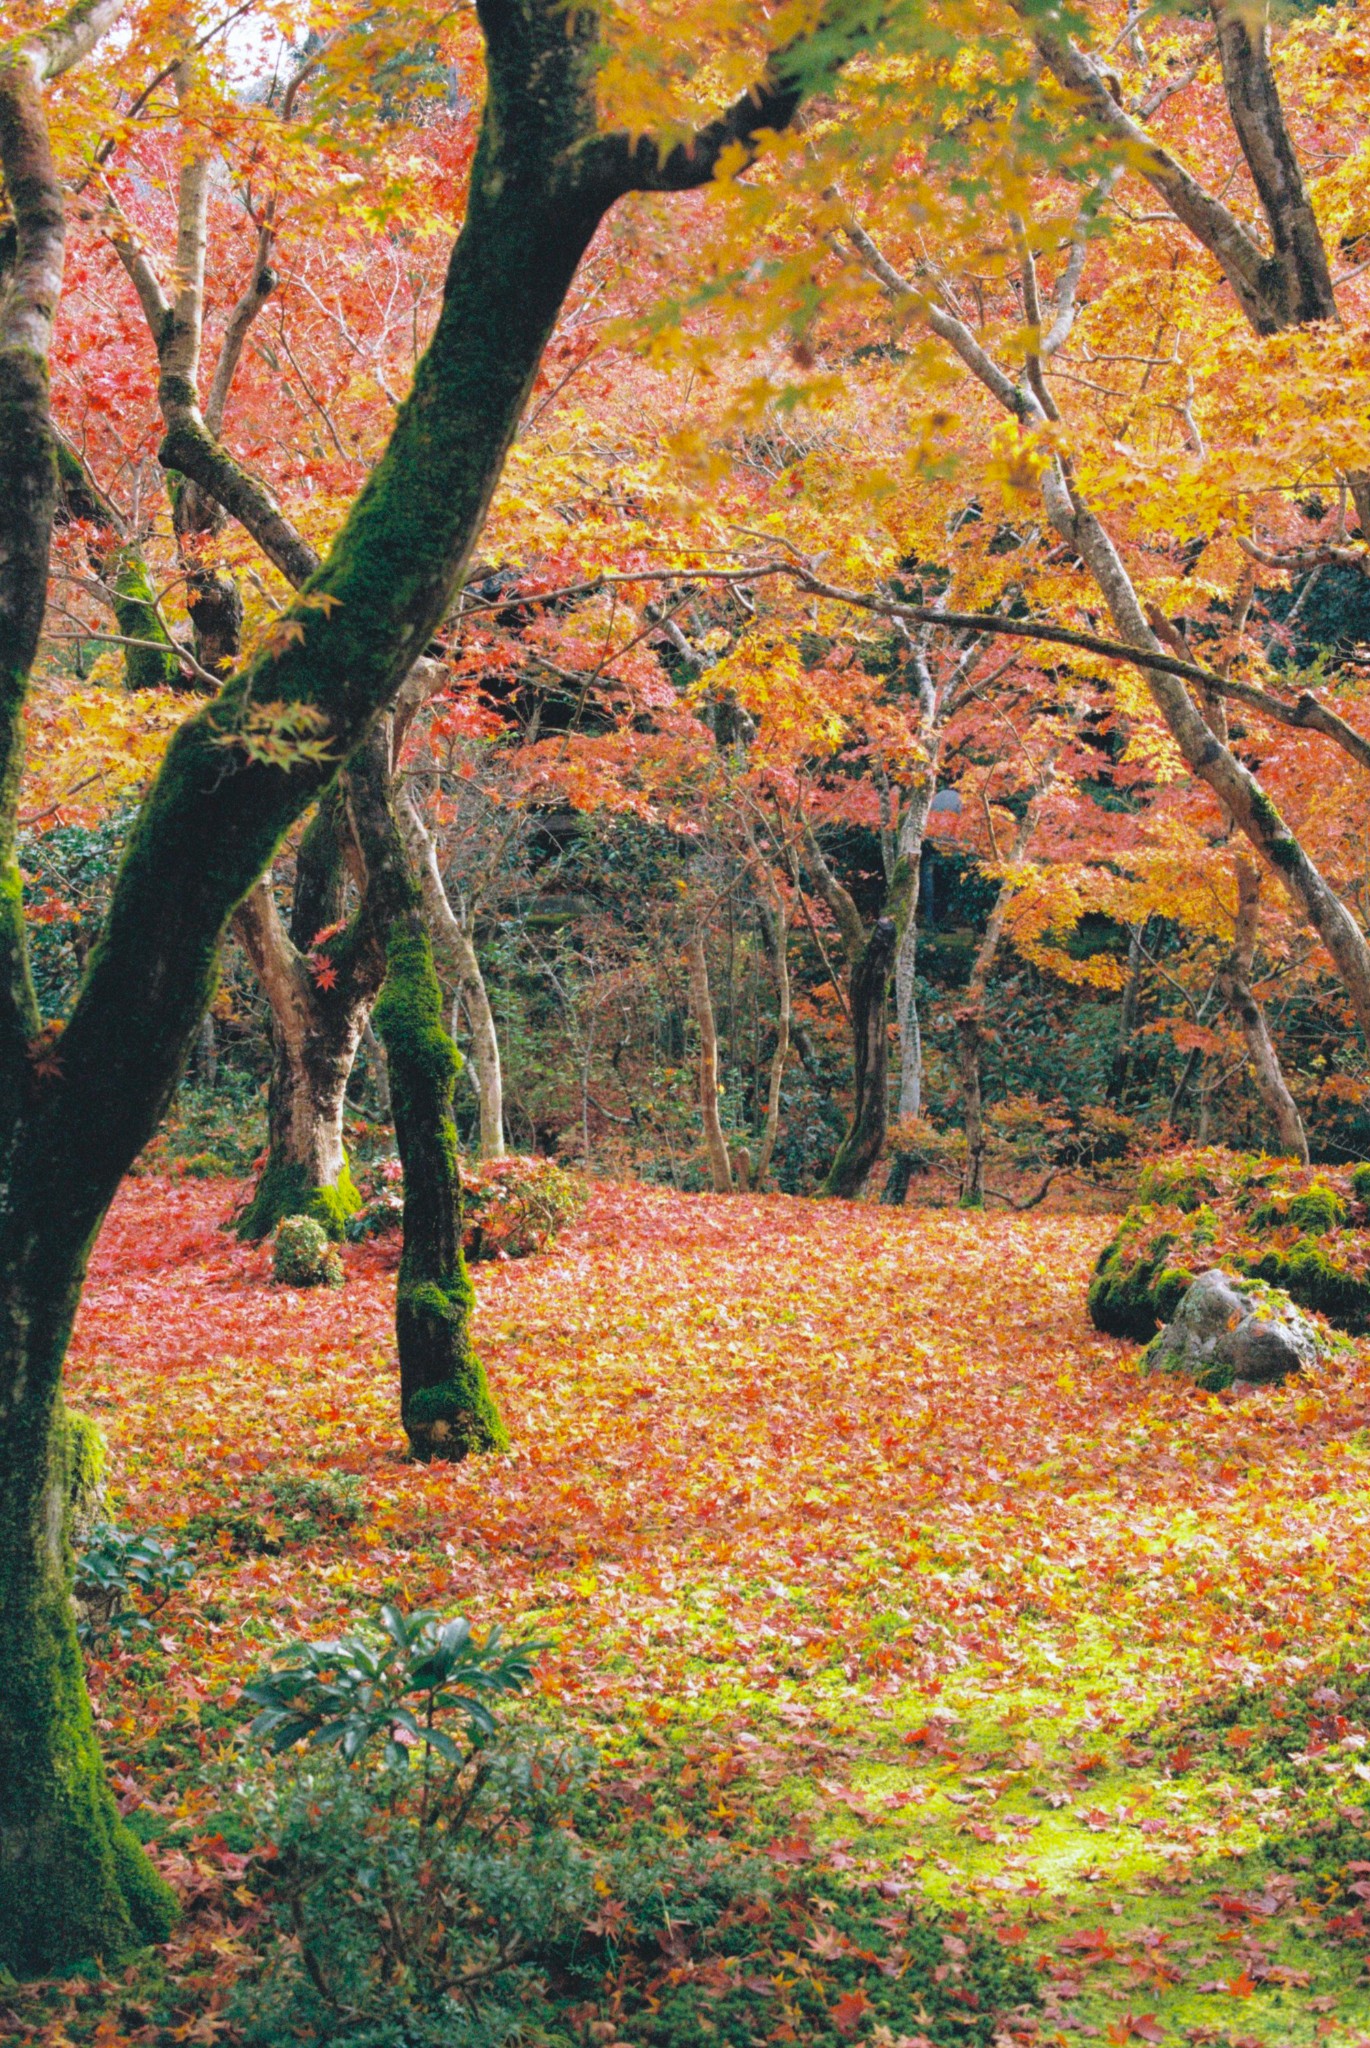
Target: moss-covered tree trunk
(73,1880)
(445,1403)
(870,1011)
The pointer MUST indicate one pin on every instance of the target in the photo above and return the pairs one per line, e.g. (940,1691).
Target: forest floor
(852,1500)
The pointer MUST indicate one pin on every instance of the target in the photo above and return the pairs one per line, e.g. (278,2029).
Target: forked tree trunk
(320,997)
(865,1139)
(701,1004)
(1271,1085)
(454,937)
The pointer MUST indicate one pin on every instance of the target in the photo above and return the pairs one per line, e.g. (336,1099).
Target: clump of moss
(303,1256)
(1316,1209)
(1264,1218)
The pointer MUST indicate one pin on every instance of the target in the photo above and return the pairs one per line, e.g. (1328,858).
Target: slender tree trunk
(379,1076)
(1127,1017)
(970,1019)
(484,1054)
(1271,1085)
(701,1003)
(775,935)
(453,936)
(968,1045)
(864,1142)
(904,909)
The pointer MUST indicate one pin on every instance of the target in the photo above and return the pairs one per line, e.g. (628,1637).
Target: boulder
(1225,1330)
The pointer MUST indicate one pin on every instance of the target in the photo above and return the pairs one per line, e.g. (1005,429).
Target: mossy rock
(1265,1219)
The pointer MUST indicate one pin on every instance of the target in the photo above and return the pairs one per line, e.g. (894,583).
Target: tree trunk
(903,907)
(484,1054)
(445,1402)
(865,1140)
(454,937)
(968,1042)
(1271,1085)
(1127,1017)
(701,1003)
(970,1016)
(775,936)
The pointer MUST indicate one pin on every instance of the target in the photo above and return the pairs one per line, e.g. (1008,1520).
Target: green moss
(303,1256)
(284,1189)
(1123,1297)
(1183,1184)
(86,1458)
(1317,1209)
(1316,1282)
(135,609)
(1360,1181)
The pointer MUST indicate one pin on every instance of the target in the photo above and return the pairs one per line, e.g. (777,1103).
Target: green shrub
(517,1206)
(303,1256)
(123,1579)
(1264,1218)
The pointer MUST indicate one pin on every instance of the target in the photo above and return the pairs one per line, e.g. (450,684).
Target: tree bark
(1235,984)
(775,937)
(701,1003)
(865,1139)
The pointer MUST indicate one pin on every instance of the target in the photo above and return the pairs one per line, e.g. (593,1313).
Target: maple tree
(543,176)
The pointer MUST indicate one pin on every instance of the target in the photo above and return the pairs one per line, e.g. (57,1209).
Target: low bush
(123,1579)
(517,1206)
(302,1255)
(1294,1228)
(1308,1741)
(435,1881)
(511,1207)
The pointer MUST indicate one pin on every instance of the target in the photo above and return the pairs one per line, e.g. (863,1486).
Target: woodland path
(856,1497)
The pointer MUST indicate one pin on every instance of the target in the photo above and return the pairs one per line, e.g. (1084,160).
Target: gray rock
(1225,1330)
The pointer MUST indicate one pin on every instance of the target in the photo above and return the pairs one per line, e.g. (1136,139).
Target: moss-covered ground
(846,1516)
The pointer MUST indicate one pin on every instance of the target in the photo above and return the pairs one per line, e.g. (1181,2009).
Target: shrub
(123,1579)
(1266,1218)
(517,1206)
(303,1256)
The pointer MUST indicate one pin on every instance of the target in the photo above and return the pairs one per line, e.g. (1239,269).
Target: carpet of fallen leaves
(856,1493)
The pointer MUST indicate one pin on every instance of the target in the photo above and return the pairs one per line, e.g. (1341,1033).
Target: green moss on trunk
(285,1190)
(73,1881)
(445,1403)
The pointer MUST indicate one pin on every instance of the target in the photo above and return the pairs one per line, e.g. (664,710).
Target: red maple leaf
(325,973)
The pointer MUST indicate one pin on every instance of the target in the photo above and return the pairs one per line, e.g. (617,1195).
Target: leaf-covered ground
(854,1501)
